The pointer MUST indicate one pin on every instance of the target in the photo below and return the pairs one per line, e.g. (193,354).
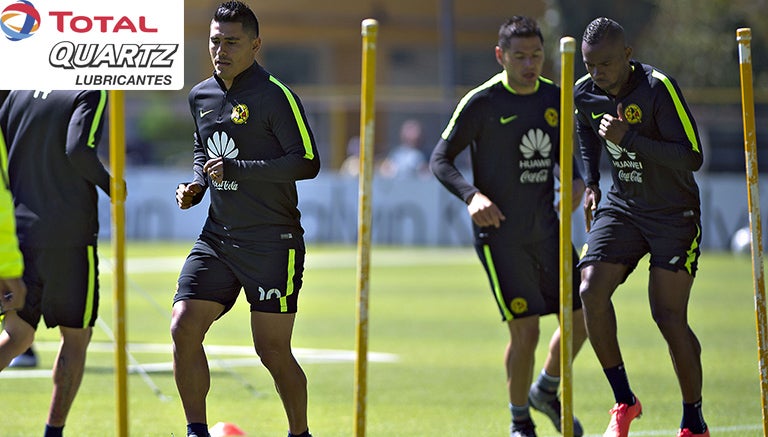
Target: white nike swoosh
(204,113)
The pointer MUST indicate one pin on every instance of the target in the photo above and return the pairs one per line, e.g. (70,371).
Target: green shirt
(11,261)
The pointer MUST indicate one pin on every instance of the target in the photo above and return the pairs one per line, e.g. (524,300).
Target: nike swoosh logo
(505,120)
(204,113)
(596,116)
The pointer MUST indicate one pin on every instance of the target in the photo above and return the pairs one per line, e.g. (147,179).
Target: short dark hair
(518,27)
(237,12)
(602,28)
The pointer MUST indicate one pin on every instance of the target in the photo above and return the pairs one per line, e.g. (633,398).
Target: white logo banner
(89,44)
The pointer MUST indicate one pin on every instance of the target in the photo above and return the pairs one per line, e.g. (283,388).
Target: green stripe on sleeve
(308,153)
(684,119)
(4,161)
(583,78)
(97,119)
(463,102)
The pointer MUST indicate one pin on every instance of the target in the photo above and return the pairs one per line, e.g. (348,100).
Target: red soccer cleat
(621,416)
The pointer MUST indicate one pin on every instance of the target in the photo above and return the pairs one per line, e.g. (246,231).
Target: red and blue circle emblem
(19,20)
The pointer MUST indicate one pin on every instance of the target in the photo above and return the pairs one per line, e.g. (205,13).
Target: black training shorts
(62,286)
(269,271)
(525,279)
(620,238)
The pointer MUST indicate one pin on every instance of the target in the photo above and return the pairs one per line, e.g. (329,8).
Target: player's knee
(670,321)
(524,334)
(595,292)
(183,329)
(274,357)
(588,295)
(76,338)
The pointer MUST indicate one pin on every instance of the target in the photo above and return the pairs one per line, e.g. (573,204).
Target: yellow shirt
(11,261)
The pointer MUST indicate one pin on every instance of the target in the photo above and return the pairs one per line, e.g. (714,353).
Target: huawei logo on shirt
(535,169)
(628,170)
(220,145)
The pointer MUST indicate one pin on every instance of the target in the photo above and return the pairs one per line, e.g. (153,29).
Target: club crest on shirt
(239,114)
(633,114)
(551,116)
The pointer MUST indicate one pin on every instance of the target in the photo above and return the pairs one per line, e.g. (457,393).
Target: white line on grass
(331,260)
(303,355)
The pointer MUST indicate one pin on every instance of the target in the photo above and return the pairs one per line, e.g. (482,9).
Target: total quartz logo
(19,20)
(89,44)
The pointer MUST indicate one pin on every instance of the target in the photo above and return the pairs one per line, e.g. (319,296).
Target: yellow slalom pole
(369,32)
(567,50)
(744,38)
(117,197)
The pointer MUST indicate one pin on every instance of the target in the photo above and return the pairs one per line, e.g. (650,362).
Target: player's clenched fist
(185,194)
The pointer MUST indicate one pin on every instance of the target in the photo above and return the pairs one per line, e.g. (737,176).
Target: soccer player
(28,358)
(639,115)
(511,125)
(252,143)
(53,173)
(12,288)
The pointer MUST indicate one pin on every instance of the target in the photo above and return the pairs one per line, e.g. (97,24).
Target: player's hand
(13,293)
(185,194)
(484,212)
(215,169)
(591,199)
(613,128)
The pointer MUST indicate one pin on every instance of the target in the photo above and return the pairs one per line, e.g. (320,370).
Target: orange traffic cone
(225,429)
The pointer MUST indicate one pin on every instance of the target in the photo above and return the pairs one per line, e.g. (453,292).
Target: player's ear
(628,52)
(499,56)
(256,44)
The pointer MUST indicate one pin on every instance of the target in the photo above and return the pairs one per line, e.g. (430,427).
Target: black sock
(693,419)
(303,434)
(198,429)
(617,377)
(53,431)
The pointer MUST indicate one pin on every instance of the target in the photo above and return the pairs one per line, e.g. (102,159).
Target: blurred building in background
(430,53)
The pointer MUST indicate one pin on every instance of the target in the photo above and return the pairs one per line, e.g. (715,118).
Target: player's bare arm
(591,200)
(484,212)
(577,192)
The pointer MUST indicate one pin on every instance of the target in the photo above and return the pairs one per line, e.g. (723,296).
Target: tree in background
(694,40)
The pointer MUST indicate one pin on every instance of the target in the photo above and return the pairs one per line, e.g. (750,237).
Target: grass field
(439,368)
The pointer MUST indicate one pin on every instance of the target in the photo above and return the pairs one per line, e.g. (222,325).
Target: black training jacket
(260,128)
(53,166)
(653,166)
